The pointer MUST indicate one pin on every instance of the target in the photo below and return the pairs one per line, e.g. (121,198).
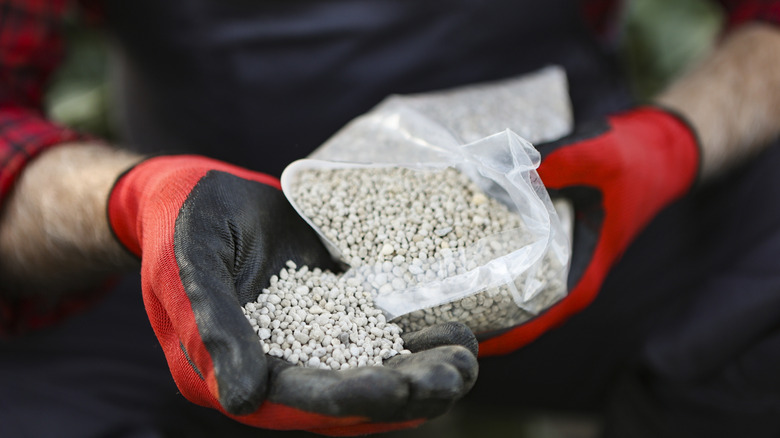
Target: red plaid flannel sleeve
(740,11)
(30,48)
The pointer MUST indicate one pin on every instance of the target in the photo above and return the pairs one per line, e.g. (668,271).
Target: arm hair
(732,97)
(54,233)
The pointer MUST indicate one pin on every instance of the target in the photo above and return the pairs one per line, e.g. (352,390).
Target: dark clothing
(680,339)
(303,70)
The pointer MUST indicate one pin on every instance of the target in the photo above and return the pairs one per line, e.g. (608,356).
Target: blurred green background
(659,38)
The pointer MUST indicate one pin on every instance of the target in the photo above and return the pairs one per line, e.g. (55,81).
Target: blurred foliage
(78,94)
(661,37)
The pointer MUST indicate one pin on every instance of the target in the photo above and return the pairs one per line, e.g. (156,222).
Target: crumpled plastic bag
(528,264)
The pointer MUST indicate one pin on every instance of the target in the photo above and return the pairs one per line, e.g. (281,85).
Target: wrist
(731,96)
(54,222)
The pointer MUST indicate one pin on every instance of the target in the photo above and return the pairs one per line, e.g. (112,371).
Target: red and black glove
(210,235)
(619,176)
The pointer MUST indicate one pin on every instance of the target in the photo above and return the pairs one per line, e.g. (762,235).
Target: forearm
(54,234)
(732,98)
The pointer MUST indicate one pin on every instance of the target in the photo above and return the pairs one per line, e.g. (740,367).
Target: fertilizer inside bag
(425,268)
(421,146)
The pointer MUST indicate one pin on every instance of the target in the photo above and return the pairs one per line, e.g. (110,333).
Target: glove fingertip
(242,383)
(448,333)
(242,398)
(435,362)
(466,363)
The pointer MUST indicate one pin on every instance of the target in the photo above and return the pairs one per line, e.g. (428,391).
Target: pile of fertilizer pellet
(397,228)
(403,227)
(322,320)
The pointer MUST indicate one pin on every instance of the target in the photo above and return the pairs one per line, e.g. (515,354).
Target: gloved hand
(619,175)
(210,235)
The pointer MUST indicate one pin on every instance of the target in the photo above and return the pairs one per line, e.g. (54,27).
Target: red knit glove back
(619,176)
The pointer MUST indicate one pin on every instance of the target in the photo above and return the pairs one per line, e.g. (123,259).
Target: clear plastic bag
(493,283)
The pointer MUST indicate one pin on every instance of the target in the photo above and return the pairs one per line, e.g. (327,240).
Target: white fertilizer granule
(397,228)
(402,227)
(322,320)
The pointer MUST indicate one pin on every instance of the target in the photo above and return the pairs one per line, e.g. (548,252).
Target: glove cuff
(673,135)
(686,125)
(117,215)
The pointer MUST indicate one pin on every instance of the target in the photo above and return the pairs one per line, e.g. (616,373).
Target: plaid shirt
(31,48)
